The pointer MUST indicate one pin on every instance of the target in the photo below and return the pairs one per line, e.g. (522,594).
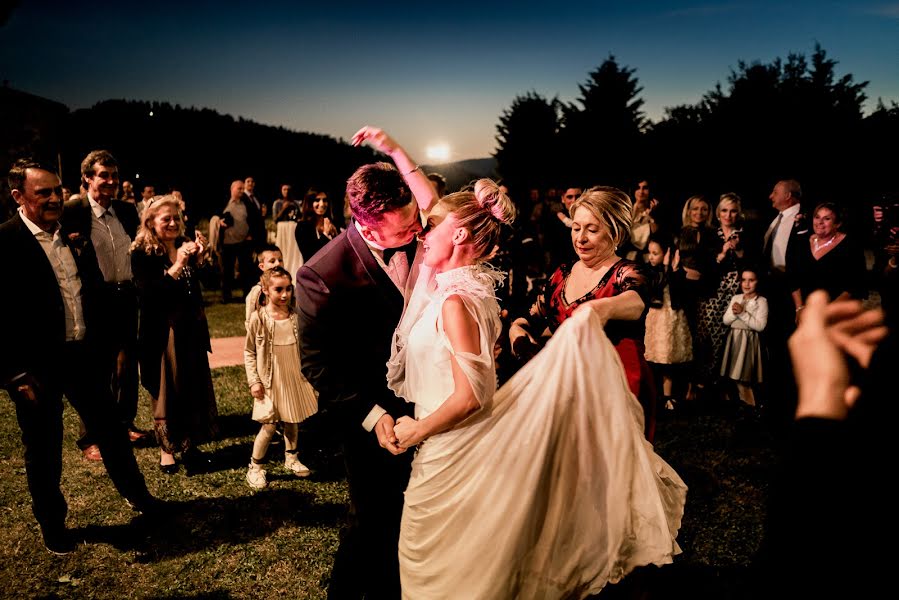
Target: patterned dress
(711,332)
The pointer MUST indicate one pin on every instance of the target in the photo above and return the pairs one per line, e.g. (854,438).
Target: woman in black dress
(173,336)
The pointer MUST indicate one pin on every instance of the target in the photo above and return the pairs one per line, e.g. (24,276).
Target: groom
(350,297)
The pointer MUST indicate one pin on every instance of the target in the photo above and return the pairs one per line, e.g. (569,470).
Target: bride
(545,488)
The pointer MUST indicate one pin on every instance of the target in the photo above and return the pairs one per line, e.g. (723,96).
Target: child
(268,258)
(747,316)
(272,361)
(667,340)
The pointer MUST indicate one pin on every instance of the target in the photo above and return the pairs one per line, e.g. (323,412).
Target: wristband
(417,167)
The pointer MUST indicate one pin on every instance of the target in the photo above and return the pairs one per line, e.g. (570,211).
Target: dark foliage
(788,119)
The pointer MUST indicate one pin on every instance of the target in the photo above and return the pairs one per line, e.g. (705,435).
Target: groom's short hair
(374,190)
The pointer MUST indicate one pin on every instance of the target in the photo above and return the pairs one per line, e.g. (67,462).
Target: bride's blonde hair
(483,211)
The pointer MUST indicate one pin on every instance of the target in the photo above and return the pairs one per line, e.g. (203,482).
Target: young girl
(272,361)
(667,340)
(267,258)
(747,316)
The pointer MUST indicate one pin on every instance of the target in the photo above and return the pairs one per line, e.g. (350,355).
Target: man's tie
(770,235)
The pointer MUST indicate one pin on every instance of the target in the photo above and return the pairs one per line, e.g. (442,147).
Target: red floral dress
(627,336)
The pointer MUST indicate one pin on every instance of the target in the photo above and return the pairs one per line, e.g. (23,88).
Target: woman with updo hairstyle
(618,289)
(173,336)
(545,487)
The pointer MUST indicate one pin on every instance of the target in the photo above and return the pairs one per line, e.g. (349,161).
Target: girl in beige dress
(272,361)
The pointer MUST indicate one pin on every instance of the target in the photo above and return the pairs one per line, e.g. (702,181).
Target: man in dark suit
(782,239)
(49,350)
(110,226)
(351,295)
(256,211)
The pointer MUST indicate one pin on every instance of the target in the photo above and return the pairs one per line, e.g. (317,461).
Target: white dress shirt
(782,237)
(66,271)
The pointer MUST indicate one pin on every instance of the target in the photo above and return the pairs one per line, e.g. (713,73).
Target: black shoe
(169,469)
(60,543)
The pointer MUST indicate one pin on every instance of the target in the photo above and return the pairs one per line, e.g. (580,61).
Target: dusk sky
(429,73)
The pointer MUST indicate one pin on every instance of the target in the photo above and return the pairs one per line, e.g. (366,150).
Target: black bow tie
(409,249)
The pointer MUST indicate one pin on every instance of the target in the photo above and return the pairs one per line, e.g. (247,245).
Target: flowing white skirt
(551,493)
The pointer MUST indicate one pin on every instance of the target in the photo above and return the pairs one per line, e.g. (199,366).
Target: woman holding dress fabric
(497,506)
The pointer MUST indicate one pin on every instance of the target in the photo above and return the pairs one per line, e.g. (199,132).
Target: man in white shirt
(49,349)
(110,225)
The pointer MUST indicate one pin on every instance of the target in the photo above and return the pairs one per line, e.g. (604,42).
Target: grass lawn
(228,541)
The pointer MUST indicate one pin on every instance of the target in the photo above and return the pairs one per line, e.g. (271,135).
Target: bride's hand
(378,139)
(407,432)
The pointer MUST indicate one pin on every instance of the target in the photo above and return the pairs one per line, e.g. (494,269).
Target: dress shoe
(60,542)
(169,469)
(92,452)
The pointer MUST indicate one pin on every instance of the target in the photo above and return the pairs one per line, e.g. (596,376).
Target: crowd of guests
(723,292)
(700,309)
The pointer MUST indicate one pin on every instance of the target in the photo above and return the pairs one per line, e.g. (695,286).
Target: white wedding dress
(550,490)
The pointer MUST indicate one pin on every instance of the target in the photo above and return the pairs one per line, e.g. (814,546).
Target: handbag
(263,410)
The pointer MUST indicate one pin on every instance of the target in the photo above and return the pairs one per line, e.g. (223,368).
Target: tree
(601,137)
(527,137)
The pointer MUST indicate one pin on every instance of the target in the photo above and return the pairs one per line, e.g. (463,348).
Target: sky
(433,74)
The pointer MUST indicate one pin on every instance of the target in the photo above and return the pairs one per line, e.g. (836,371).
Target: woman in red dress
(616,288)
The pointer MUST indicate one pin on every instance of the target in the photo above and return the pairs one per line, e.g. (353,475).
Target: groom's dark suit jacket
(348,310)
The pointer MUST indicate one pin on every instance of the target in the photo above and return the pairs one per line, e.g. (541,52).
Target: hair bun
(492,199)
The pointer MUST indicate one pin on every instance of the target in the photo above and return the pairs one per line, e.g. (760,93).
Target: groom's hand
(386,437)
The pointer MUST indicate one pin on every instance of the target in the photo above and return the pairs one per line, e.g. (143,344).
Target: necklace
(825,244)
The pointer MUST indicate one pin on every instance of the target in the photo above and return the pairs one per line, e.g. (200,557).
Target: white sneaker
(256,476)
(293,464)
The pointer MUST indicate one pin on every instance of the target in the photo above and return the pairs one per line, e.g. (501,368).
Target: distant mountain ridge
(460,173)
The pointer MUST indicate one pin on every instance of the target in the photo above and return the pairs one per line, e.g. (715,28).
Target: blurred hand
(257,391)
(737,308)
(825,337)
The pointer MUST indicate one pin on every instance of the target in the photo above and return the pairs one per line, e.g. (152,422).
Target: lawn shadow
(211,522)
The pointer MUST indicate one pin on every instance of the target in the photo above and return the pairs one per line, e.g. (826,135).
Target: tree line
(794,118)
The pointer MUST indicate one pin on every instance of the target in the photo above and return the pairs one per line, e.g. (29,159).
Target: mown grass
(227,541)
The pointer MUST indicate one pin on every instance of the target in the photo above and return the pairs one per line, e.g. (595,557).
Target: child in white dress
(747,316)
(272,361)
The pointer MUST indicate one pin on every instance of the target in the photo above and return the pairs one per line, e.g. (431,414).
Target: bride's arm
(422,189)
(461,329)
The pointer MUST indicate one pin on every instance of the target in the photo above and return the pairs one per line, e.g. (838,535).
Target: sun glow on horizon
(438,152)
